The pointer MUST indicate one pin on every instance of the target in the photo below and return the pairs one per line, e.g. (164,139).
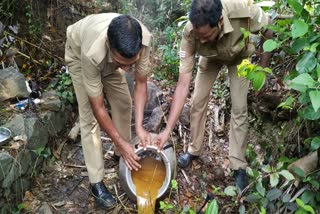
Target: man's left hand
(145,137)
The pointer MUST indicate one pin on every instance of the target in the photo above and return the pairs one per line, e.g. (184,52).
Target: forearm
(265,56)
(140,98)
(179,99)
(104,120)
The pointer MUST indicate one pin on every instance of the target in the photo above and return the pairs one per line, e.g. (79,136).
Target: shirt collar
(227,27)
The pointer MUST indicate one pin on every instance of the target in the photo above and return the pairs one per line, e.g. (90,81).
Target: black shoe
(241,179)
(102,196)
(185,159)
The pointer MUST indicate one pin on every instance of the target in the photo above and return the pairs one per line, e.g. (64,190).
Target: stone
(12,84)
(155,120)
(20,186)
(6,161)
(37,133)
(16,125)
(11,176)
(55,122)
(51,101)
(154,97)
(185,116)
(45,209)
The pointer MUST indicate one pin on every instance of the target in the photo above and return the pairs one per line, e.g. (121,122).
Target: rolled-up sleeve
(91,77)
(187,52)
(142,67)
(259,18)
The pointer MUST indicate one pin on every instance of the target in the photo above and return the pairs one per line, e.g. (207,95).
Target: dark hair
(205,12)
(125,35)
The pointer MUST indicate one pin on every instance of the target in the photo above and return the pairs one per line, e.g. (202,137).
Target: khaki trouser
(118,95)
(206,75)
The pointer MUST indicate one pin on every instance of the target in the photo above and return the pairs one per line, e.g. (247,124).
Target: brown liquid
(148,180)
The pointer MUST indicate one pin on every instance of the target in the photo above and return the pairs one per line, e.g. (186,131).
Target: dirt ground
(64,185)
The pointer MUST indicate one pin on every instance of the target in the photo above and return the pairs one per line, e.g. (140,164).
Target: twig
(61,147)
(122,204)
(185,176)
(298,194)
(74,166)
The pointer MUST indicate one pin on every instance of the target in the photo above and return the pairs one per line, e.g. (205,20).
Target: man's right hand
(161,139)
(129,156)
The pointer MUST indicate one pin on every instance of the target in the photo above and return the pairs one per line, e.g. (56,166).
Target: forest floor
(64,186)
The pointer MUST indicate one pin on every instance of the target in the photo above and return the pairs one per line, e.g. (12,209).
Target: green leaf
(299,44)
(191,211)
(212,208)
(269,45)
(315,143)
(297,171)
(307,63)
(259,187)
(242,209)
(307,196)
(230,191)
(286,104)
(299,28)
(296,6)
(300,203)
(298,87)
(263,210)
(309,208)
(267,168)
(309,113)
(318,72)
(253,198)
(274,179)
(304,79)
(174,184)
(274,194)
(258,80)
(162,205)
(279,165)
(286,174)
(286,198)
(315,99)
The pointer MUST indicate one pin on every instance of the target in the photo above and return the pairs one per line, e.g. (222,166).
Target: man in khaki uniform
(99,49)
(214,33)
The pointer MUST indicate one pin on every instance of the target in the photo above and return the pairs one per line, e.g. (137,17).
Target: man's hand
(161,139)
(129,156)
(145,137)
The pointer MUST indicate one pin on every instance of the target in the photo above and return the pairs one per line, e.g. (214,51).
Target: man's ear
(221,20)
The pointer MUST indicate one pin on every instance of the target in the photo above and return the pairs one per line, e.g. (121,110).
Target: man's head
(125,40)
(206,18)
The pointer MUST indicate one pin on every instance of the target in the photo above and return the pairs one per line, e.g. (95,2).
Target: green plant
(169,67)
(65,88)
(41,152)
(33,23)
(253,72)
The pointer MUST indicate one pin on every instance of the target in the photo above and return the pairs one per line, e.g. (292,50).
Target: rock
(16,125)
(51,101)
(37,133)
(155,120)
(12,84)
(154,97)
(6,161)
(185,116)
(10,178)
(55,122)
(45,209)
(20,186)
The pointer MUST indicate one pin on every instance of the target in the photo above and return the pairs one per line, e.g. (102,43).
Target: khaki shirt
(228,46)
(88,40)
